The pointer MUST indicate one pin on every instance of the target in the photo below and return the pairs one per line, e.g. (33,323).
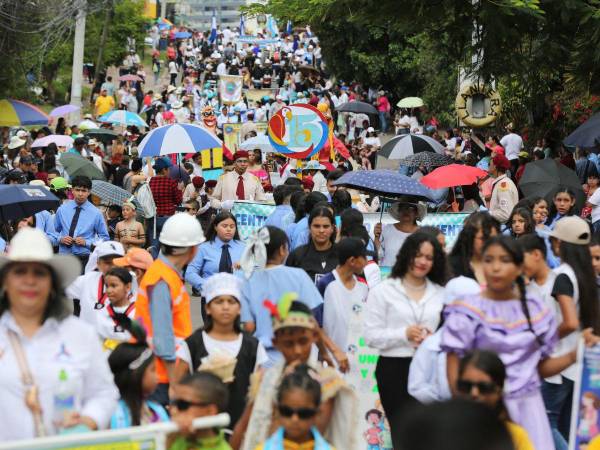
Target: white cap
(221,284)
(109,248)
(370,130)
(181,230)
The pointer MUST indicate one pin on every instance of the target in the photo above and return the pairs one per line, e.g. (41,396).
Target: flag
(242,25)
(272,27)
(213,29)
(230,89)
(288,28)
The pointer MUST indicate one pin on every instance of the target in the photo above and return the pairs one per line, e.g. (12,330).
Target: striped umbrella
(177,138)
(113,195)
(409,144)
(18,113)
(123,118)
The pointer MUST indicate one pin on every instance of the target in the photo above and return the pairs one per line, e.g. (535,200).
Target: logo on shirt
(63,354)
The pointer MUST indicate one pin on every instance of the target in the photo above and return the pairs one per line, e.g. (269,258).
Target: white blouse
(390,312)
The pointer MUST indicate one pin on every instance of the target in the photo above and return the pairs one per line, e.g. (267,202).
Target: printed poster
(230,89)
(585,419)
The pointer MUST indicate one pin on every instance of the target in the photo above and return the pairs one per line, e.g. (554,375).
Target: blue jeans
(558,399)
(382,121)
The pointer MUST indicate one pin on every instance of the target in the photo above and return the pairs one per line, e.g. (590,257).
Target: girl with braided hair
(520,329)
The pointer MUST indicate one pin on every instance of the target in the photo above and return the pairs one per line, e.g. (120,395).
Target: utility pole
(163,9)
(78,49)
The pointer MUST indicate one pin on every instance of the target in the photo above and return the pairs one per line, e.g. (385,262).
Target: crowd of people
(96,298)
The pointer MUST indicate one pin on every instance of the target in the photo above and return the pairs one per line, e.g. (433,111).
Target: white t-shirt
(512,144)
(595,201)
(338,304)
(391,242)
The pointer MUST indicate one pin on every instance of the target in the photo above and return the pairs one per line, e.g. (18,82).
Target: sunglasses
(484,388)
(302,413)
(184,405)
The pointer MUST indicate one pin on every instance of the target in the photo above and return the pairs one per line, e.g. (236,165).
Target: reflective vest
(180,307)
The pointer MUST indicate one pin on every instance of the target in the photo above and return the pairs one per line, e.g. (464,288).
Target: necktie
(239,192)
(225,262)
(74,221)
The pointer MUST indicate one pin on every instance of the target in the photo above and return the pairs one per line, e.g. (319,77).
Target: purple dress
(475,322)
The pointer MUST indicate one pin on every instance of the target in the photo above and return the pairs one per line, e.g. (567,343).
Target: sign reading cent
(298,131)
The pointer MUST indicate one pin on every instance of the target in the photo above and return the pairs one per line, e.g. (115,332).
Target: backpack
(143,193)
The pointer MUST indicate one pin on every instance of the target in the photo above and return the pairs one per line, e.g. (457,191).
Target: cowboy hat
(176,105)
(394,210)
(32,245)
(16,142)
(171,88)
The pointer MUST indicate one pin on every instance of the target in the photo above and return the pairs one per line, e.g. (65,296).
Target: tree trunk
(108,12)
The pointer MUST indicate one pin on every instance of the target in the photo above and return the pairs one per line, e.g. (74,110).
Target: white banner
(230,89)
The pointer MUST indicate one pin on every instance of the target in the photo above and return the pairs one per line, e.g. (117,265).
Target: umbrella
(113,195)
(64,110)
(410,102)
(261,142)
(409,144)
(543,178)
(87,124)
(59,139)
(102,134)
(23,200)
(123,118)
(586,135)
(130,77)
(183,35)
(76,165)
(357,107)
(177,138)
(453,175)
(18,113)
(308,69)
(385,183)
(426,159)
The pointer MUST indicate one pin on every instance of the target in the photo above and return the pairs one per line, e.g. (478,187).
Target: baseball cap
(59,183)
(523,155)
(109,248)
(135,257)
(572,229)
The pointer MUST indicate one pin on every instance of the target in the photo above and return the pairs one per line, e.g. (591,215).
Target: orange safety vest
(180,307)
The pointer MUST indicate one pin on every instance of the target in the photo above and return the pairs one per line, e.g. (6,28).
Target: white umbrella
(59,139)
(87,124)
(257,142)
(177,138)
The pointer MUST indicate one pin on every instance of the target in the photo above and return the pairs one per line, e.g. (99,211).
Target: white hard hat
(181,230)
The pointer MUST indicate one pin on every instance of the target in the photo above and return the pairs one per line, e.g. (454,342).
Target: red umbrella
(453,175)
(130,78)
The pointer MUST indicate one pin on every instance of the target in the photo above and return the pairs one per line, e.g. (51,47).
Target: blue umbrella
(183,35)
(586,135)
(385,183)
(124,118)
(23,200)
(177,138)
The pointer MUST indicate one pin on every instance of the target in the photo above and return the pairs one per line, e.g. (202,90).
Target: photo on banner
(585,419)
(230,89)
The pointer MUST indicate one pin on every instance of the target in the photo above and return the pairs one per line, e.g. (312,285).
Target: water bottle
(64,399)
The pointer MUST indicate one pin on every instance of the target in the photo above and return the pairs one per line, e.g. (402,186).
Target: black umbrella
(403,146)
(544,178)
(102,134)
(426,159)
(357,107)
(586,135)
(23,200)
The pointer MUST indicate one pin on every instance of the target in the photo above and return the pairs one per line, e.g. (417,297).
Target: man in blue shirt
(78,223)
(283,215)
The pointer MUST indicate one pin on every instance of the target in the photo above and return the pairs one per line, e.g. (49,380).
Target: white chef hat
(221,284)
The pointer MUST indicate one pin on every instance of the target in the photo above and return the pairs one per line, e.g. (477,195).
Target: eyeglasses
(184,405)
(484,388)
(302,413)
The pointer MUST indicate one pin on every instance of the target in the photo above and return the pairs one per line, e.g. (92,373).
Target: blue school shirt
(90,226)
(281,217)
(271,284)
(45,222)
(300,234)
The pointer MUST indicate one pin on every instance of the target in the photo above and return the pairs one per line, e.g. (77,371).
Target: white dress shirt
(69,345)
(390,312)
(89,290)
(227,186)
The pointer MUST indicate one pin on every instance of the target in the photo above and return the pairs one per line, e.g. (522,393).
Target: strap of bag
(32,395)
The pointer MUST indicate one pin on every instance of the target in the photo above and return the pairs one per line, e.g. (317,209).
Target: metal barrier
(135,438)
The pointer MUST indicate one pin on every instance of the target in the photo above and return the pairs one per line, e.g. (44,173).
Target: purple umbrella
(63,110)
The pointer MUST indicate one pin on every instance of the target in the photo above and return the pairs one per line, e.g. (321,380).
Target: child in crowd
(111,323)
(563,205)
(113,217)
(295,333)
(199,394)
(298,401)
(192,207)
(132,364)
(222,338)
(521,222)
(129,231)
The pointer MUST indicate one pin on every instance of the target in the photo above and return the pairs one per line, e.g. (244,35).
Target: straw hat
(32,245)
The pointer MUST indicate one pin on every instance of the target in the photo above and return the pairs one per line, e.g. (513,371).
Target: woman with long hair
(563,204)
(521,222)
(401,312)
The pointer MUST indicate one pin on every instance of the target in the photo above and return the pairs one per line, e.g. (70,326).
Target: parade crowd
(477,341)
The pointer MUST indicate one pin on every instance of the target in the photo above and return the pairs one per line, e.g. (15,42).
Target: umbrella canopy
(64,110)
(357,107)
(453,175)
(177,138)
(123,118)
(129,77)
(385,183)
(409,144)
(543,179)
(410,102)
(308,70)
(76,165)
(261,141)
(183,35)
(586,135)
(426,159)
(102,134)
(59,139)
(113,195)
(87,124)
(16,113)
(23,200)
